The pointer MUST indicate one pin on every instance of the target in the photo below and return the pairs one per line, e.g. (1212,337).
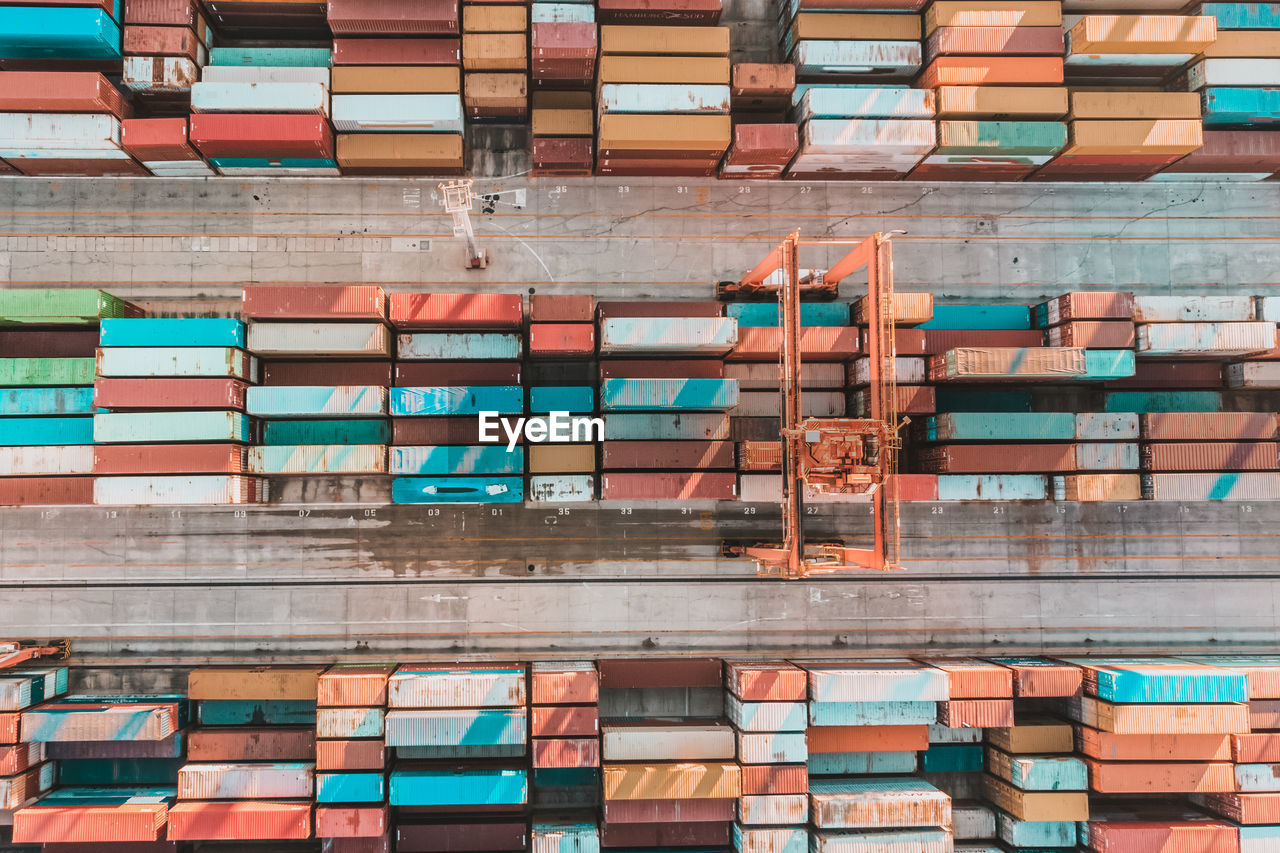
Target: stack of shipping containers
(444,380)
(495,56)
(250,771)
(562,378)
(563,43)
(460,773)
(47,343)
(564,727)
(165,43)
(24,772)
(763,140)
(163,146)
(62,122)
(1023,746)
(327,354)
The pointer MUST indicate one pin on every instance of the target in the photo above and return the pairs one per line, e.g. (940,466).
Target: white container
(1233,72)
(562,488)
(320,340)
(773,810)
(179,168)
(972,821)
(1107,426)
(667,743)
(648,98)
(1107,456)
(246,781)
(1250,374)
(871,138)
(177,491)
(1192,309)
(407,113)
(693,335)
(865,102)
(876,59)
(279,171)
(910,371)
(63,459)
(309,98)
(159,73)
(1205,339)
(1267,308)
(767,404)
(60,135)
(457,687)
(263,74)
(944,734)
(772,748)
(767,488)
(318,459)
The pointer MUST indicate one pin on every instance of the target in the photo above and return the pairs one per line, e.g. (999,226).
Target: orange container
(1185,747)
(762,779)
(1166,777)
(975,713)
(564,721)
(674,781)
(817,343)
(10,726)
(1250,809)
(89,824)
(970,678)
(766,682)
(992,71)
(1124,34)
(867,738)
(563,685)
(351,821)
(350,755)
(260,820)
(1264,681)
(1163,719)
(255,683)
(1162,836)
(1256,748)
(566,752)
(1264,713)
(358,686)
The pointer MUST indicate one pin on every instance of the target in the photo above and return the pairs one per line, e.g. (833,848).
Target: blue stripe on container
(457,490)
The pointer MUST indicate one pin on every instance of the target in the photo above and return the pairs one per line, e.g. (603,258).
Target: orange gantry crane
(14,652)
(833,455)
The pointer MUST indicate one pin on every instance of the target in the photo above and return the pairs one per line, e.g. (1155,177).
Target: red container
(991,71)
(461,430)
(1112,747)
(168,459)
(1170,374)
(1233,151)
(157,139)
(1091,305)
(431,373)
(909,342)
(1210,426)
(666,834)
(244,743)
(350,755)
(997,458)
(376,844)
(938,341)
(1248,809)
(667,455)
(9,727)
(1163,836)
(1092,334)
(763,144)
(18,757)
(566,752)
(571,721)
(169,13)
(549,340)
(660,672)
(918,487)
(393,17)
(702,368)
(817,343)
(1264,681)
(760,779)
(244,820)
(41,343)
(430,837)
(970,678)
(44,491)
(256,135)
(37,167)
(668,486)
(766,681)
(568,156)
(573,44)
(985,41)
(609,310)
(312,302)
(89,824)
(113,847)
(667,12)
(1212,456)
(562,308)
(351,821)
(456,310)
(703,810)
(60,92)
(327,373)
(167,393)
(553,686)
(388,51)
(976,713)
(162,41)
(361,686)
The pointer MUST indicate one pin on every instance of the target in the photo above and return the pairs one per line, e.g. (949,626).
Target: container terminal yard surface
(286,581)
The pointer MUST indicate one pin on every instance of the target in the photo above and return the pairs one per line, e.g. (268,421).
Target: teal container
(46,401)
(449,787)
(44,432)
(992,487)
(974,317)
(456,400)
(1108,363)
(1000,426)
(367,431)
(566,777)
(952,758)
(170,427)
(873,713)
(438,461)
(574,399)
(853,763)
(26,372)
(1008,138)
(172,332)
(1229,107)
(953,400)
(1035,833)
(1145,402)
(350,787)
(457,490)
(238,712)
(58,32)
(765,314)
(1046,773)
(1135,680)
(1243,16)
(119,771)
(566,835)
(104,796)
(270,57)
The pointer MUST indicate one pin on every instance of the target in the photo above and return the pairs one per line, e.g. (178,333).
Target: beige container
(663,41)
(1036,805)
(400,150)
(548,122)
(1099,487)
(494,19)
(494,52)
(908,308)
(1014,102)
(1159,719)
(665,132)
(1135,105)
(1143,34)
(1244,44)
(562,459)
(688,781)
(854,26)
(506,91)
(1139,136)
(1034,735)
(994,13)
(254,683)
(394,80)
(701,70)
(561,100)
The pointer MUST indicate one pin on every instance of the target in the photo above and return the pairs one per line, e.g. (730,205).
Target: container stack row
(562,377)
(564,729)
(352,814)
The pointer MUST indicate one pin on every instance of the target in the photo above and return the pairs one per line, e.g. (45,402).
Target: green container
(1109,363)
(119,771)
(264,712)
(61,306)
(1163,401)
(954,400)
(273,57)
(1001,137)
(952,758)
(45,372)
(361,431)
(999,426)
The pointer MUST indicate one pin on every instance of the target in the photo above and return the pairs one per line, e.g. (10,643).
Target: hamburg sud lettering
(555,428)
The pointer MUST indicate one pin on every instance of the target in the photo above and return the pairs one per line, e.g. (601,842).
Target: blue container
(350,787)
(1000,426)
(32,432)
(1163,401)
(317,401)
(952,758)
(459,727)
(562,13)
(872,713)
(564,835)
(992,487)
(166,332)
(96,796)
(246,712)
(1243,16)
(1046,773)
(264,163)
(457,490)
(979,317)
(119,771)
(954,400)
(561,398)
(365,431)
(446,787)
(46,401)
(632,395)
(58,32)
(1108,363)
(458,346)
(1240,107)
(436,461)
(1035,833)
(847,763)
(456,400)
(1138,681)
(765,314)
(292,57)
(886,102)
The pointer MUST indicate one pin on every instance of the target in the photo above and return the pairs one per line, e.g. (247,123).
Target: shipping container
(230,821)
(164,427)
(320,340)
(177,491)
(455,400)
(185,362)
(377,17)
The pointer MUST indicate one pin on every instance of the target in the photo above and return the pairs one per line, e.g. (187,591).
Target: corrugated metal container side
(207,97)
(774,810)
(885,802)
(60,306)
(164,332)
(135,819)
(490,787)
(694,335)
(163,393)
(350,755)
(685,394)
(456,400)
(451,346)
(817,343)
(561,398)
(350,787)
(442,686)
(245,781)
(325,432)
(314,302)
(45,491)
(320,340)
(664,486)
(230,821)
(1205,339)
(671,781)
(168,459)
(992,487)
(1192,309)
(456,310)
(666,427)
(318,459)
(363,824)
(433,490)
(177,491)
(1211,456)
(46,371)
(455,460)
(1210,426)
(250,743)
(184,362)
(316,401)
(46,401)
(691,742)
(377,17)
(890,680)
(145,427)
